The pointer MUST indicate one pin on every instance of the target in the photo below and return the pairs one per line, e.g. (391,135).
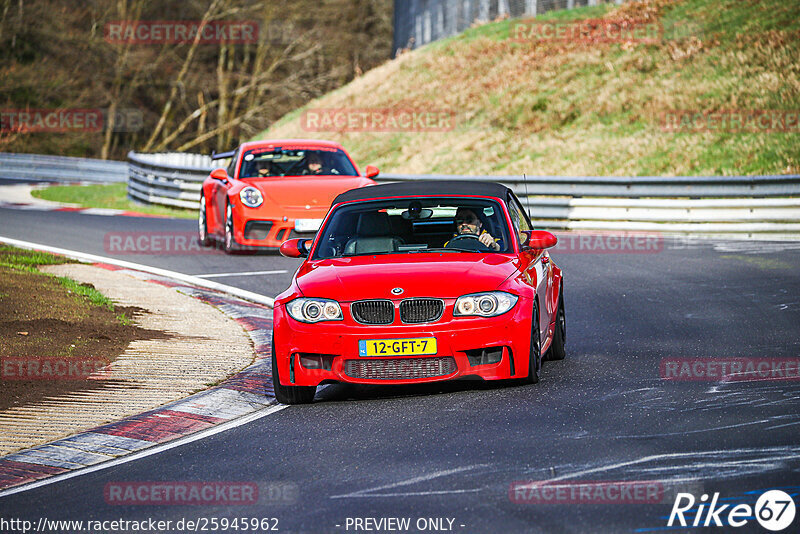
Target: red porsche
(274,190)
(418,282)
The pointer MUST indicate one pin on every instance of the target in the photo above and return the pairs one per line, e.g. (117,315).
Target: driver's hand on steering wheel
(487,240)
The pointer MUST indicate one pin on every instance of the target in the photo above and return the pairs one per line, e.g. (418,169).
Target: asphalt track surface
(452,451)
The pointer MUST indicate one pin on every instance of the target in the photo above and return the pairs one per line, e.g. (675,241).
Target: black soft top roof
(426,188)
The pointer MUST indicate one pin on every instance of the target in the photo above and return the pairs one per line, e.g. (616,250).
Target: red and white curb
(244,394)
(32,204)
(84,211)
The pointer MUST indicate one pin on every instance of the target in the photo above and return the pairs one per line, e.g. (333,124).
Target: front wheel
(557,350)
(289,394)
(230,241)
(202,224)
(534,359)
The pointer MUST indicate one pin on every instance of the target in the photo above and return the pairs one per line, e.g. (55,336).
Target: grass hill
(587,107)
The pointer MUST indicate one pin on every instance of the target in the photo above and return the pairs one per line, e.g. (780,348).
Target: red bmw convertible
(274,190)
(418,282)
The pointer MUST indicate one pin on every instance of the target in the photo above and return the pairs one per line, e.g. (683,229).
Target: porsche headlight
(308,310)
(251,197)
(490,304)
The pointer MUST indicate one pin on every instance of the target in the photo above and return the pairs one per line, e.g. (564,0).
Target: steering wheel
(473,244)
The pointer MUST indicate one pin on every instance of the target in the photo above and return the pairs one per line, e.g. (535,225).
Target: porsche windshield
(296,162)
(413,225)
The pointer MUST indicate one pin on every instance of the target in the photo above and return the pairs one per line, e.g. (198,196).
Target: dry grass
(588,108)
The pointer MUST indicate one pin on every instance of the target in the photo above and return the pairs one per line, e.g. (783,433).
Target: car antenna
(527,198)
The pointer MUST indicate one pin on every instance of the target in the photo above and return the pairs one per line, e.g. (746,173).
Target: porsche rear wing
(222,155)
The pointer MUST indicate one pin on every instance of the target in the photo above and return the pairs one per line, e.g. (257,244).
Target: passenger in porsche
(314,163)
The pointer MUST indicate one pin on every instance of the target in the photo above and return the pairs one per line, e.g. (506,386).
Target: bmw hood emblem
(397,291)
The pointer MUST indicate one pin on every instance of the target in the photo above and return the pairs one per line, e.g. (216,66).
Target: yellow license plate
(397,347)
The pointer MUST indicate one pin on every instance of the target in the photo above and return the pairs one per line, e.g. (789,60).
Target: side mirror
(295,248)
(538,239)
(220,174)
(372,171)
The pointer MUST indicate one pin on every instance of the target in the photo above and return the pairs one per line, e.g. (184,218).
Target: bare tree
(190,95)
(254,75)
(121,66)
(207,16)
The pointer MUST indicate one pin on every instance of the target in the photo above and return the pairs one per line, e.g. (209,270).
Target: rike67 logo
(774,510)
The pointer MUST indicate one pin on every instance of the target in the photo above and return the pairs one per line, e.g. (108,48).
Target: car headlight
(251,197)
(490,304)
(314,310)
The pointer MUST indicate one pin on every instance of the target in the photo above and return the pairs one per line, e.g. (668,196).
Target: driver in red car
(467,222)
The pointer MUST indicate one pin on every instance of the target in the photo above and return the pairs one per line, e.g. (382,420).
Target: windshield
(265,162)
(414,225)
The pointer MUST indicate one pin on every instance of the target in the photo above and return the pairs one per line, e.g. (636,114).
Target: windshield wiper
(439,249)
(351,254)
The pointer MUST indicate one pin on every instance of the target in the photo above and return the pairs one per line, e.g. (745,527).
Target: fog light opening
(316,361)
(484,356)
(257,230)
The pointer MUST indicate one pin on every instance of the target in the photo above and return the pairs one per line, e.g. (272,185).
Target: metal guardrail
(167,179)
(685,204)
(765,205)
(419,22)
(61,168)
(637,186)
